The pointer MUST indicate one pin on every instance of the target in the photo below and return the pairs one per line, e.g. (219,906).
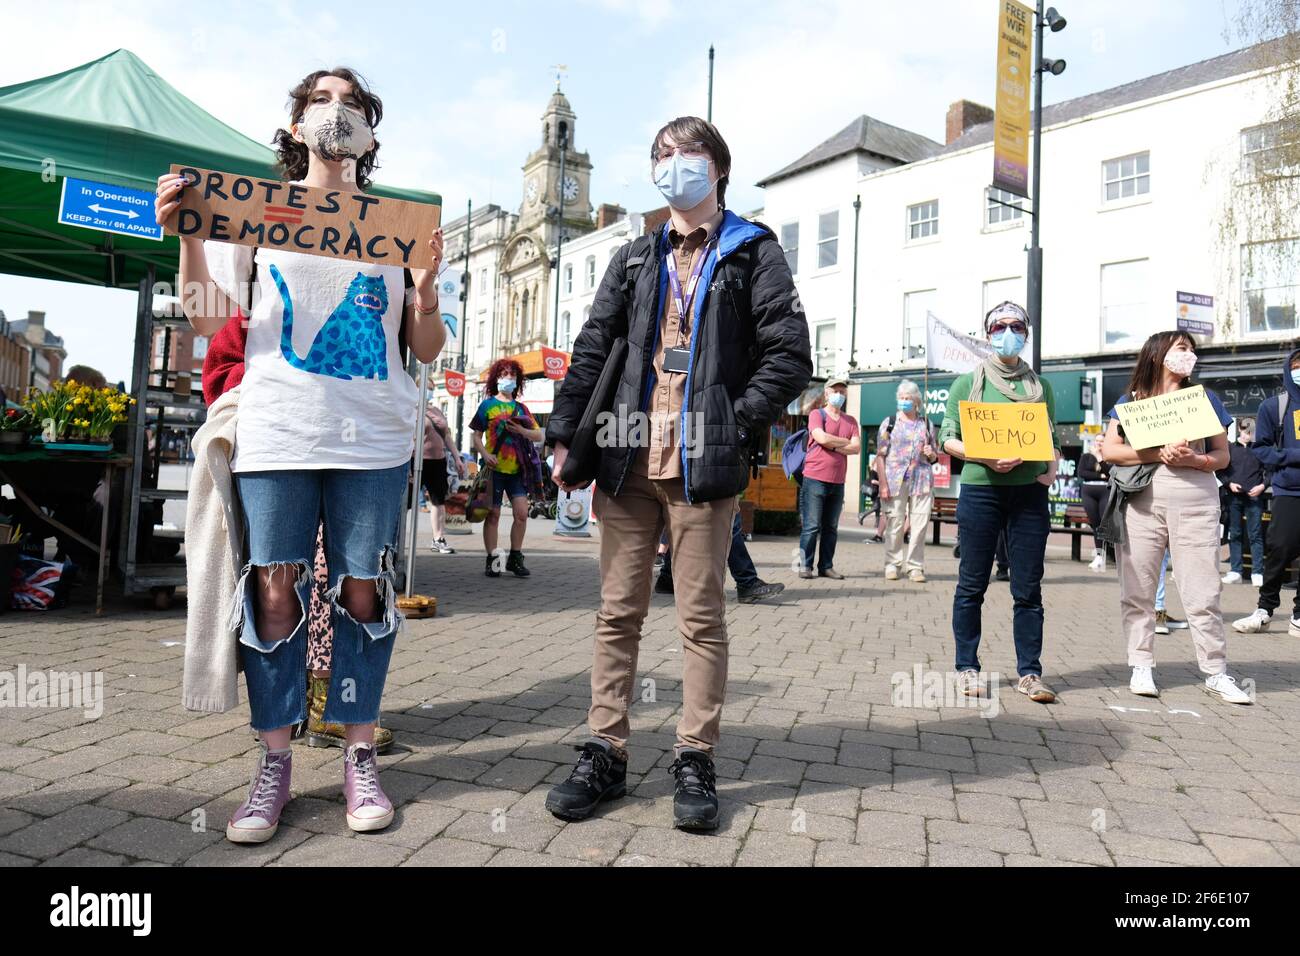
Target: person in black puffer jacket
(706,387)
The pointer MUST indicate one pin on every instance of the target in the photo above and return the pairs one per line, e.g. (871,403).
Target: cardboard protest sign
(1007,430)
(1182,415)
(273,214)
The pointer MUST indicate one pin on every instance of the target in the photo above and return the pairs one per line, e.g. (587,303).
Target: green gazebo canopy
(111,120)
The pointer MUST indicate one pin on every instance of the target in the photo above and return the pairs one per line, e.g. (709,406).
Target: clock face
(532,191)
(570,189)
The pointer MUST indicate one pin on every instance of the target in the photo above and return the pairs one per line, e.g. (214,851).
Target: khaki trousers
(899,507)
(1180,509)
(700,537)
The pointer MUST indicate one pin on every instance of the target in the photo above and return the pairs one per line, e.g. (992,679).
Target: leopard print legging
(320,633)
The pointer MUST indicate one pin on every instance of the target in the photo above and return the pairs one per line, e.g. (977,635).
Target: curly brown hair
(292,155)
(506,366)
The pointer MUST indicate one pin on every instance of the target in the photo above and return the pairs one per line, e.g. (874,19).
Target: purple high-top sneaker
(368,808)
(259,817)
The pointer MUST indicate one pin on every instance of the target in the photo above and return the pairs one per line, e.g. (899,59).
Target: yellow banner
(1011,106)
(1007,430)
(1184,415)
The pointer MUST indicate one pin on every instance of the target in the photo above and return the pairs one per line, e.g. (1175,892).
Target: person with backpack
(832,437)
(1244,482)
(717,345)
(906,448)
(1277,447)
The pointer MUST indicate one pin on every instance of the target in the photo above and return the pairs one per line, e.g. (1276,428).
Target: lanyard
(683,300)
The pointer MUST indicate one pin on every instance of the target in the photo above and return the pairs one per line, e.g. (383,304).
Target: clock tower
(543,184)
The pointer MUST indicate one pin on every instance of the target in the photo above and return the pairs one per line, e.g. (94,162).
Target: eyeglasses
(691,150)
(1017,327)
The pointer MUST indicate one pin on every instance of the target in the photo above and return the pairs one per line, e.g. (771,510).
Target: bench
(1075,524)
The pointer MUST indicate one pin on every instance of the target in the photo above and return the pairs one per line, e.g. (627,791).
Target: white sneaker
(1225,688)
(1143,682)
(1256,623)
(1257,580)
(968,683)
(1232,577)
(1098,561)
(1294,628)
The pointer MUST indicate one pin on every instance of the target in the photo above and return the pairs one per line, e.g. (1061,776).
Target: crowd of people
(301,472)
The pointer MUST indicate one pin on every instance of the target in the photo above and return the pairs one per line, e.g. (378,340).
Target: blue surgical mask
(904,404)
(684,181)
(506,385)
(836,399)
(1295,375)
(1008,344)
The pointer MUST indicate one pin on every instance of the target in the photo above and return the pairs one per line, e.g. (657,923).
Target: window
(568,280)
(564,331)
(1270,148)
(915,307)
(1125,315)
(997,212)
(790,243)
(997,291)
(200,347)
(1127,176)
(591,272)
(482,282)
(923,220)
(482,332)
(1270,275)
(824,348)
(828,239)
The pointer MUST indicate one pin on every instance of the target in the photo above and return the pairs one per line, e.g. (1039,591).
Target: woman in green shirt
(1009,494)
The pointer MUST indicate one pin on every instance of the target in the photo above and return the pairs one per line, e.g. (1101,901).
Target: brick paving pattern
(817,766)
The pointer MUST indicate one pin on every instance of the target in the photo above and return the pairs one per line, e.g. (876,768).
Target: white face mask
(1180,363)
(334,132)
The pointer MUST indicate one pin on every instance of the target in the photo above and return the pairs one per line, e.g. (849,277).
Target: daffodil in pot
(76,416)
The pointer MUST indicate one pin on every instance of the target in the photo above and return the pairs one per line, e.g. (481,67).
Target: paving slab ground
(823,762)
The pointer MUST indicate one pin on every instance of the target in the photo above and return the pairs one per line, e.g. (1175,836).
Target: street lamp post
(464,321)
(1055,22)
(559,234)
(710,116)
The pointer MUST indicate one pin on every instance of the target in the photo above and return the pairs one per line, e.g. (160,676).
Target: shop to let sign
(1007,430)
(1011,105)
(272,214)
(1195,313)
(1182,415)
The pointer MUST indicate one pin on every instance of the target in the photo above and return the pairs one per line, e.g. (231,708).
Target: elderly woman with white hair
(905,450)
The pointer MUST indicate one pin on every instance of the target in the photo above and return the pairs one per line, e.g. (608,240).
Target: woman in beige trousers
(1179,509)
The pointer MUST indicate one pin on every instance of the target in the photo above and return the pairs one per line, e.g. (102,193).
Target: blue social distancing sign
(108,208)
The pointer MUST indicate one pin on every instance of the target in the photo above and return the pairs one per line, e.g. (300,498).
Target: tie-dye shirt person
(490,419)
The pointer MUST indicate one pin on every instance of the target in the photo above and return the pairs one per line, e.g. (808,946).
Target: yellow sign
(1011,105)
(1007,430)
(1184,415)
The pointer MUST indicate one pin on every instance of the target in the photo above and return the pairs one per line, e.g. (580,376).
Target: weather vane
(560,69)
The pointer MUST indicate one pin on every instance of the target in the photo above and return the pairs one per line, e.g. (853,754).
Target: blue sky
(464,85)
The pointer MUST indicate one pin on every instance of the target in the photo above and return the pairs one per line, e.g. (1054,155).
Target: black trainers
(491,570)
(598,776)
(695,800)
(664,583)
(757,592)
(515,565)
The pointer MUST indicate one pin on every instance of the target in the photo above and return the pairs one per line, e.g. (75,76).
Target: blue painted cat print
(351,343)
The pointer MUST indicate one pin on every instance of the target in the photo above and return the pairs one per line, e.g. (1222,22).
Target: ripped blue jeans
(282,510)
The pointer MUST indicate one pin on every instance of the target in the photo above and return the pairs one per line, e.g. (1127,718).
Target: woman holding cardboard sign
(1166,496)
(324,432)
(1002,494)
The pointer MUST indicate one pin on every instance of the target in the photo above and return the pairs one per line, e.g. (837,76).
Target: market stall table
(11,472)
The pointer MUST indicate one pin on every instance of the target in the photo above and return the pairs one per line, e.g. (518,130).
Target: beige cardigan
(214,561)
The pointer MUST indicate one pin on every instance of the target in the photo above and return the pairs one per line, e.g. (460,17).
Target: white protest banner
(950,350)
